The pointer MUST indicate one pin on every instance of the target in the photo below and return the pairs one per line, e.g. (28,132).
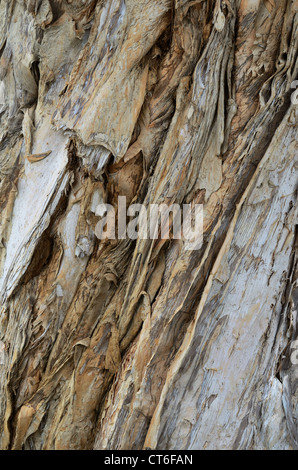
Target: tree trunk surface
(134,344)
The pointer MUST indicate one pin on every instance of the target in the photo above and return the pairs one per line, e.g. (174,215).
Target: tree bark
(133,344)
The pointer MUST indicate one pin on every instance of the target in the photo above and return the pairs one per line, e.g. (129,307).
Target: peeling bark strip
(132,344)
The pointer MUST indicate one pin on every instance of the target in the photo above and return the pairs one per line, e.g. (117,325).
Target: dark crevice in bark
(40,259)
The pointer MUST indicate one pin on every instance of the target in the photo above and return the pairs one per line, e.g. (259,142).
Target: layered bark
(123,344)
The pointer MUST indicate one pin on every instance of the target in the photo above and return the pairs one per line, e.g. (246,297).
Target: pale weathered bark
(123,344)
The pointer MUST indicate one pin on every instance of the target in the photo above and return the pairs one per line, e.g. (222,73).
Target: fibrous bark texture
(133,344)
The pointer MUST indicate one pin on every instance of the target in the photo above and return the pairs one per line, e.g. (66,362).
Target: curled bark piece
(37,156)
